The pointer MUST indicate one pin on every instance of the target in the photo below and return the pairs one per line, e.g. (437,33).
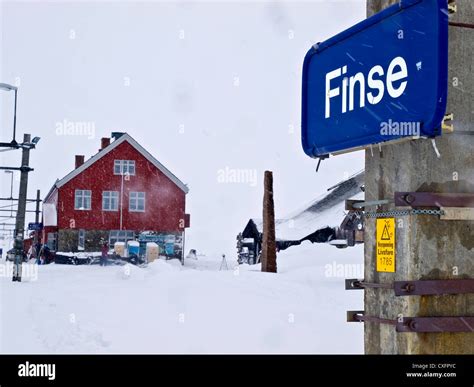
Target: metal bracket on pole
(418,324)
(350,204)
(358,205)
(452,6)
(433,287)
(436,324)
(321,158)
(357,284)
(451,206)
(354,315)
(457,213)
(360,316)
(433,199)
(418,288)
(446,125)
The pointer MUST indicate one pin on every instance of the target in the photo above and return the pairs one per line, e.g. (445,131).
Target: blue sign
(35,226)
(383,79)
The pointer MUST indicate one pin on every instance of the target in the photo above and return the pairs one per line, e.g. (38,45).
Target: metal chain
(371,214)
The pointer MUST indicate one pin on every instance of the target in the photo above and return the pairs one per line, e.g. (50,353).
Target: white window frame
(109,195)
(134,198)
(120,236)
(81,243)
(82,194)
(125,167)
(117,165)
(130,164)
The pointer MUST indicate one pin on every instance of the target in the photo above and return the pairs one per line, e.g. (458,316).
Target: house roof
(327,210)
(50,192)
(114,144)
(255,226)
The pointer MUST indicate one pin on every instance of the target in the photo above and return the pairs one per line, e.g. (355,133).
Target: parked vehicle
(73,259)
(246,251)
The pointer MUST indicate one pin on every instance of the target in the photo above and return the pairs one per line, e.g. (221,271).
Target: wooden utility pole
(268,243)
(427,247)
(20,215)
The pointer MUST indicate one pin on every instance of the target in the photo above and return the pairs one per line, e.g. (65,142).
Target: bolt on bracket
(417,288)
(446,124)
(433,199)
(452,7)
(418,324)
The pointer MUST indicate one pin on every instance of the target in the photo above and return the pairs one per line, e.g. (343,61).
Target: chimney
(104,142)
(117,135)
(79,160)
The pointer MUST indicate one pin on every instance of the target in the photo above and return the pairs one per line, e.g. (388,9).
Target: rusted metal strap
(418,324)
(433,199)
(358,205)
(349,204)
(463,25)
(433,287)
(359,316)
(418,288)
(354,283)
(436,324)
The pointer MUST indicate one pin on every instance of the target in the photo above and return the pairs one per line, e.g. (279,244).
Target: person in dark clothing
(105,252)
(38,248)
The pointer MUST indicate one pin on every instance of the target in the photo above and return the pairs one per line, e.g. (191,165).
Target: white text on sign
(397,71)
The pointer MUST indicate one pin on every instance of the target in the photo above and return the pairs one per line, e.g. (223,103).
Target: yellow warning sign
(385,245)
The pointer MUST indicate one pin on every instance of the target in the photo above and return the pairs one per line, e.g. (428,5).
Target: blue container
(169,249)
(133,248)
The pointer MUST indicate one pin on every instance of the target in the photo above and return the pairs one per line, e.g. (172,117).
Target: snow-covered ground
(167,308)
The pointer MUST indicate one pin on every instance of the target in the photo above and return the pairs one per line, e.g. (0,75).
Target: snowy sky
(209,88)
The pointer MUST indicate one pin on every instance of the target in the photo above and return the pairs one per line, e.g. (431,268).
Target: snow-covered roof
(125,137)
(326,210)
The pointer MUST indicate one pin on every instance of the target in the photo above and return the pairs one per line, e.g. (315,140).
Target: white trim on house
(113,145)
(51,191)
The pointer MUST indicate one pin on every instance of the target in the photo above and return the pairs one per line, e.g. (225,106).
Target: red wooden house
(116,194)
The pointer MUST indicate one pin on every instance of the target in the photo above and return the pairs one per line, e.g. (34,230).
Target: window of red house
(137,202)
(82,199)
(124,167)
(110,200)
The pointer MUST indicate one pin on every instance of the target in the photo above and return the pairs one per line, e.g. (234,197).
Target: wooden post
(268,240)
